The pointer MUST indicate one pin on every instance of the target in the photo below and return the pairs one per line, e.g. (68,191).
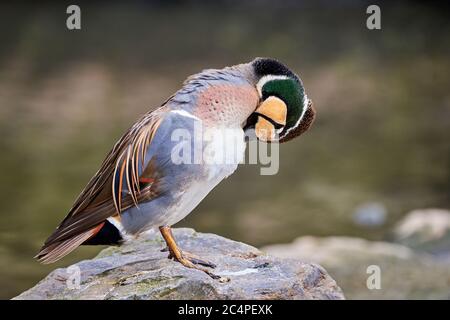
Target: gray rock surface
(426,230)
(139,270)
(404,273)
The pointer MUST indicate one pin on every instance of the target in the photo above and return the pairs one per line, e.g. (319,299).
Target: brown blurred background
(380,141)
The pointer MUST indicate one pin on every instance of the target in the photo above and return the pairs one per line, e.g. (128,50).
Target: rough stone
(404,273)
(426,230)
(139,270)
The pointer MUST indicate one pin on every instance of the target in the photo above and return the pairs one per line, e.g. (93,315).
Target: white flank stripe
(184,113)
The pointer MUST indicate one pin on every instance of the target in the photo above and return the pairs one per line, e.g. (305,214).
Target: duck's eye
(271,118)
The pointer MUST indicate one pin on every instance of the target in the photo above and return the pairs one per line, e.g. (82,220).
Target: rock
(404,274)
(426,230)
(139,270)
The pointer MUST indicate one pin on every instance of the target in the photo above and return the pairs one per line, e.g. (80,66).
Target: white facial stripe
(184,113)
(266,79)
(305,107)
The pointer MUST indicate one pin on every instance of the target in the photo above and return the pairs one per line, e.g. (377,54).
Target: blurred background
(378,149)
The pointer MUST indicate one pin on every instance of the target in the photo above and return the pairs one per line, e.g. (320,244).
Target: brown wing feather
(102,197)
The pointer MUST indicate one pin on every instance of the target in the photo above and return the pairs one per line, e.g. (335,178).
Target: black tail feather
(107,235)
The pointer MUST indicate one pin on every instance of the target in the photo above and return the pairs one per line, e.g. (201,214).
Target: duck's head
(284,111)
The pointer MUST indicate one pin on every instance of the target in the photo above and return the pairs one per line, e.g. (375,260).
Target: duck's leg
(186,259)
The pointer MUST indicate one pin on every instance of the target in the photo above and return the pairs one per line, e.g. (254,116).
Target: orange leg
(186,259)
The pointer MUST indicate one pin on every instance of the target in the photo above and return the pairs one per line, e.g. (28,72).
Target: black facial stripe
(275,124)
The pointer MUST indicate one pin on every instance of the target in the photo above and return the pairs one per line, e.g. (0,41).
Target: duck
(153,177)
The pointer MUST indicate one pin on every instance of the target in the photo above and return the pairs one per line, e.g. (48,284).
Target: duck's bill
(271,119)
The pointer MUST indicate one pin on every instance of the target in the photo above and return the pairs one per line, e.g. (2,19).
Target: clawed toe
(187,259)
(195,260)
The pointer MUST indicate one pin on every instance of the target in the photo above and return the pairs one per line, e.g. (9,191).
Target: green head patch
(291,91)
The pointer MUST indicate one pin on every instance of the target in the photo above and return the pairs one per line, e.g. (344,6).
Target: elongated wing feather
(114,188)
(71,237)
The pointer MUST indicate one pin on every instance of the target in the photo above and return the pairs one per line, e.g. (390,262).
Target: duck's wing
(124,179)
